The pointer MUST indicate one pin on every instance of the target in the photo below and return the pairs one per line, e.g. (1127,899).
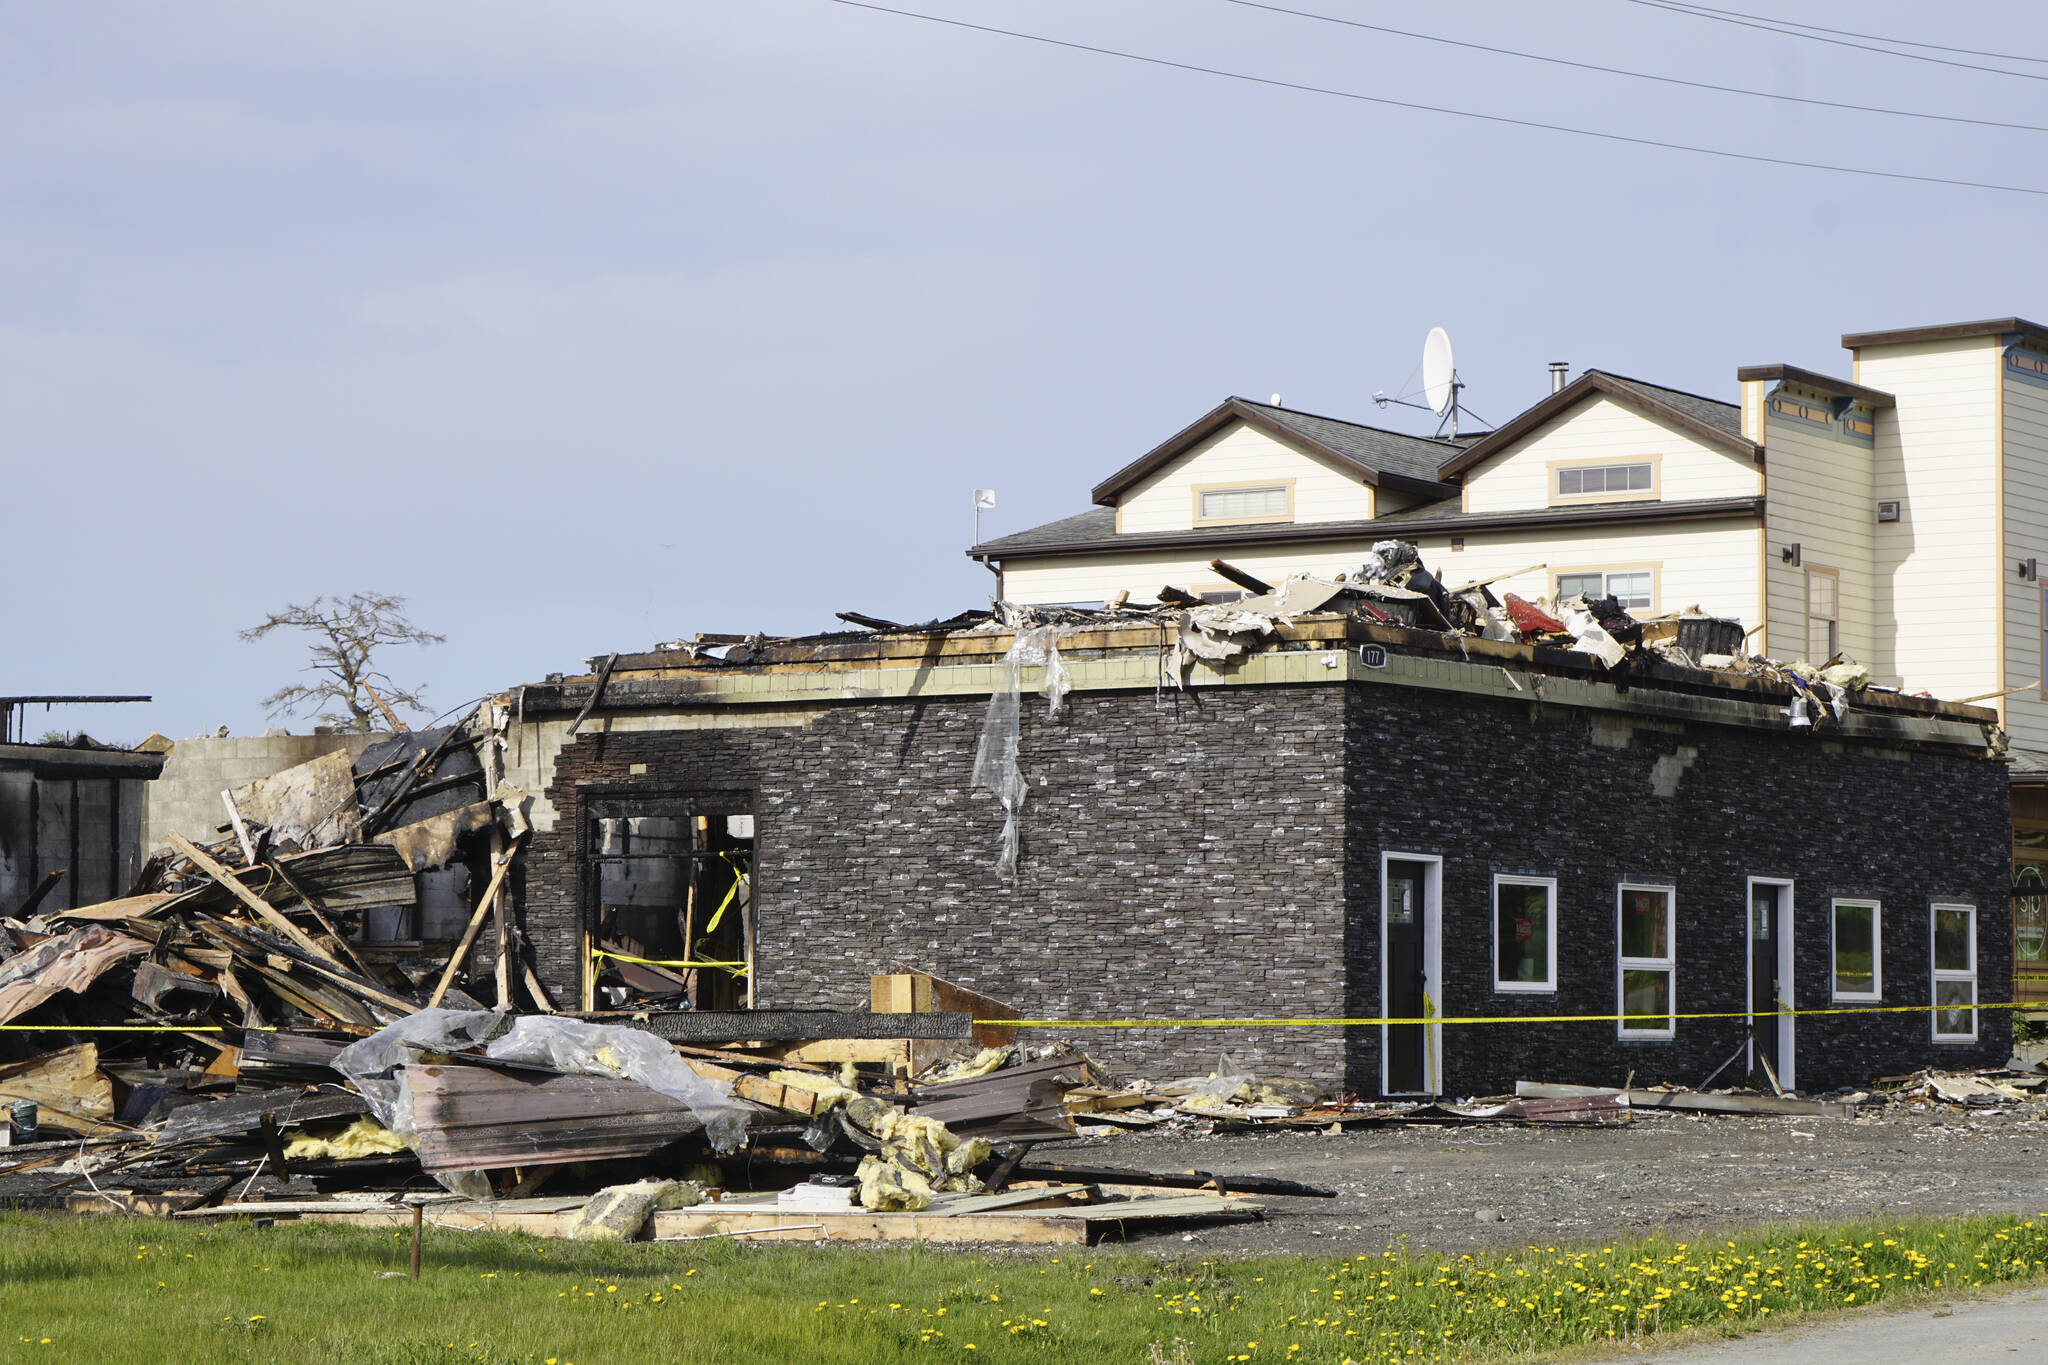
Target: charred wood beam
(1249,582)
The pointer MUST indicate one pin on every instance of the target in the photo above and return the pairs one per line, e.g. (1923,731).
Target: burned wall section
(1182,858)
(1598,798)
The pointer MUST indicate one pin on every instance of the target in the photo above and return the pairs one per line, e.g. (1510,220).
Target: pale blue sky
(590,325)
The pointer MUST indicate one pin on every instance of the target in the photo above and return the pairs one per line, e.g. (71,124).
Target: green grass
(129,1289)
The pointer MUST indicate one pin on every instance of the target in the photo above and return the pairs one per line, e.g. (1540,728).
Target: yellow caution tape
(737,878)
(737,968)
(1647,1019)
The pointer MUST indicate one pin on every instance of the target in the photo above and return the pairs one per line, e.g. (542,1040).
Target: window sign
(2029,915)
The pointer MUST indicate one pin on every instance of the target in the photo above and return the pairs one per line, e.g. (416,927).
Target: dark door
(1407,958)
(1763,974)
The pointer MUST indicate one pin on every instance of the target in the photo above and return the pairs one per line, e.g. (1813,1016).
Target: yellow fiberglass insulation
(364,1137)
(835,1094)
(888,1188)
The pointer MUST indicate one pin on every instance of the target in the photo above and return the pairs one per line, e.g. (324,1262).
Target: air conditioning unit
(1888,511)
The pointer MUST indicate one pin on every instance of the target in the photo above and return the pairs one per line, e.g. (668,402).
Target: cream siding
(1935,577)
(2026,537)
(1165,499)
(1822,497)
(1710,564)
(1598,430)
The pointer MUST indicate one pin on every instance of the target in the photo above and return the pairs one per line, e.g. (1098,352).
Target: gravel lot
(1433,1187)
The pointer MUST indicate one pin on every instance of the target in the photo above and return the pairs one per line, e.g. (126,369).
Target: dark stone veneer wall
(1217,854)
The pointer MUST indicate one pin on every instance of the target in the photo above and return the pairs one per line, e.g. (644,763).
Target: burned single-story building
(1342,820)
(70,822)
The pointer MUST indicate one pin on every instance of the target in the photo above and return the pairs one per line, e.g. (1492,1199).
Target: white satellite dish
(1438,376)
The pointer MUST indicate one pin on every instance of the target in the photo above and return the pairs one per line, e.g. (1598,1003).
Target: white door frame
(1432,966)
(1787,1064)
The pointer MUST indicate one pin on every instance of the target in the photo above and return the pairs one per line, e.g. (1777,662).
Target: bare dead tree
(347,633)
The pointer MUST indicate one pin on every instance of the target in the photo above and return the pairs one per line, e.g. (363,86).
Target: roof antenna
(1440,384)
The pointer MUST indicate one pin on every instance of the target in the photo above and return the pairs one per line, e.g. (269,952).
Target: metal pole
(418,1212)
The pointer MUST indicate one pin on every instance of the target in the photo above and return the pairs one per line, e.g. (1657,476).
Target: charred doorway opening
(669,902)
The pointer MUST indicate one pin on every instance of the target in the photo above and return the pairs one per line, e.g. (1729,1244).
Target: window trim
(1548,985)
(1937,976)
(1195,491)
(1806,608)
(1654,493)
(1655,569)
(1876,907)
(1667,964)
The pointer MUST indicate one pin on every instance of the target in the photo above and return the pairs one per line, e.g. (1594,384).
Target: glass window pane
(1632,589)
(1244,502)
(1855,949)
(1646,994)
(1954,1014)
(1522,932)
(1763,905)
(1644,932)
(1639,477)
(2029,915)
(1952,940)
(1578,585)
(1571,482)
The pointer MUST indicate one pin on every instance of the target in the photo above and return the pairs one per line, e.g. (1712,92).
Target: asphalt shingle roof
(1725,416)
(1389,452)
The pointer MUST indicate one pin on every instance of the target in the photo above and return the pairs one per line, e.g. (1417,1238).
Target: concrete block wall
(186,797)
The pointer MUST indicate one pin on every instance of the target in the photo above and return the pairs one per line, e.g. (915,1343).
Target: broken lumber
(1691,1100)
(476,923)
(264,909)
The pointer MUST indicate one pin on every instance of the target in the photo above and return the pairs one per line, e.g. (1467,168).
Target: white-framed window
(1954,954)
(1856,932)
(1635,589)
(1524,933)
(1823,614)
(1222,504)
(1607,479)
(1646,968)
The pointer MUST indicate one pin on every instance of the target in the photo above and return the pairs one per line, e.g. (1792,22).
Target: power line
(1873,37)
(1636,75)
(1768,27)
(1438,109)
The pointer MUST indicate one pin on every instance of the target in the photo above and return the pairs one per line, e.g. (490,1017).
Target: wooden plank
(263,909)
(476,922)
(892,1052)
(866,1226)
(1691,1100)
(788,1098)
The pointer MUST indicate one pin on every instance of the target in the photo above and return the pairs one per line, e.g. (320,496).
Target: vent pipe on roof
(1558,370)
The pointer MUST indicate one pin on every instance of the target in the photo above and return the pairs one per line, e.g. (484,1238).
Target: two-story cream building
(1899,515)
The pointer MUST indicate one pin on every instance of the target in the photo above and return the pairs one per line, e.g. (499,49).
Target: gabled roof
(1949,331)
(1707,420)
(1389,459)
(1837,388)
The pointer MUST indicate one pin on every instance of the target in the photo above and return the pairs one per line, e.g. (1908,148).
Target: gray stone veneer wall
(1217,854)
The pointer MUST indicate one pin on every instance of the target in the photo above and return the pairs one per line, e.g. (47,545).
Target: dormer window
(1239,504)
(1605,481)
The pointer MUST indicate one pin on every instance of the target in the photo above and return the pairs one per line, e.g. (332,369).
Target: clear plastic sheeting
(375,1066)
(995,759)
